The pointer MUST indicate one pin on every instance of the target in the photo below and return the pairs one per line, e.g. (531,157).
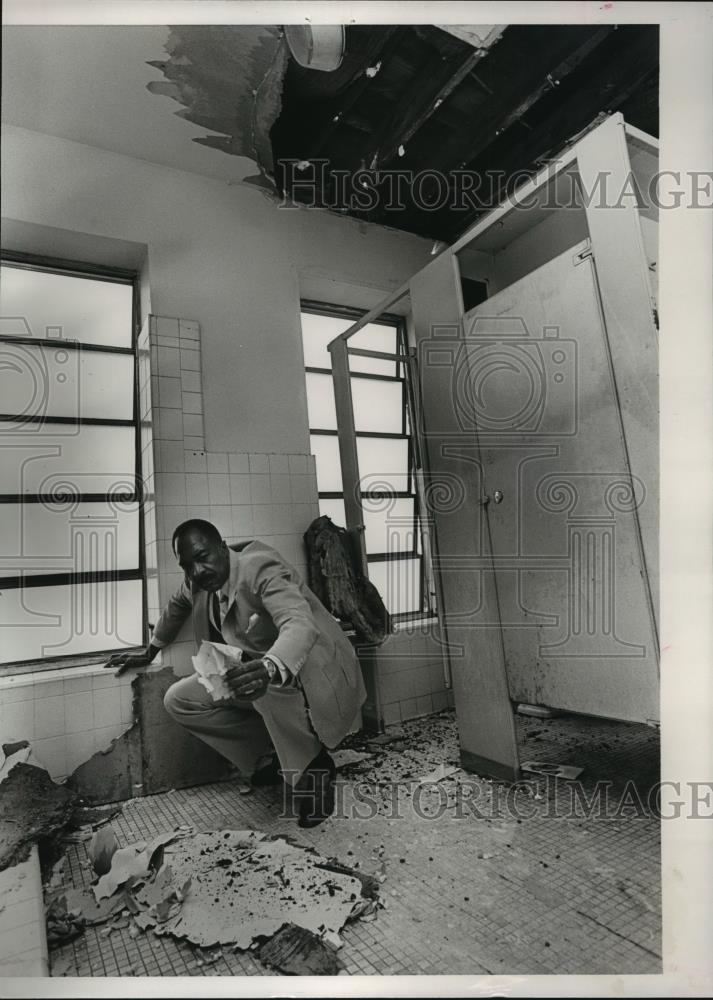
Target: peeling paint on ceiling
(228,78)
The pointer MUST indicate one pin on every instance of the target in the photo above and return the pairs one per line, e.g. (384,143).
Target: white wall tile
(280,488)
(107,709)
(279,464)
(259,463)
(260,489)
(73,685)
(169,392)
(240,489)
(195,461)
(192,402)
(79,712)
(194,443)
(16,689)
(190,360)
(170,456)
(217,461)
(168,361)
(242,520)
(188,329)
(166,326)
(238,462)
(53,754)
(168,424)
(301,488)
(191,381)
(196,489)
(218,486)
(193,424)
(19,722)
(298,464)
(221,517)
(49,717)
(170,488)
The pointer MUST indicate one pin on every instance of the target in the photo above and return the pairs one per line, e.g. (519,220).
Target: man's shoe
(268,774)
(315,791)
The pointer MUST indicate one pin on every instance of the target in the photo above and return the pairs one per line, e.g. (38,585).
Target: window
(385,450)
(71,579)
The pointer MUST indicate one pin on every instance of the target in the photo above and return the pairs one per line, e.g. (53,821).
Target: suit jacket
(271,610)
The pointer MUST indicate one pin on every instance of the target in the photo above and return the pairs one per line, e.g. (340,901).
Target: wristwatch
(271,668)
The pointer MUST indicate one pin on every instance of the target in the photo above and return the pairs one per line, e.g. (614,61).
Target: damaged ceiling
(420,101)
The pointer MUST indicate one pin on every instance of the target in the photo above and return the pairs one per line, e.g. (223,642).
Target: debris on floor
(295,951)
(565,771)
(347,758)
(32,807)
(228,887)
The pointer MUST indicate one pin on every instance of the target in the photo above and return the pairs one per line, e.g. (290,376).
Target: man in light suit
(299,687)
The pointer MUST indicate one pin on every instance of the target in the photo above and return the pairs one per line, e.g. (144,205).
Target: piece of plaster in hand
(211,665)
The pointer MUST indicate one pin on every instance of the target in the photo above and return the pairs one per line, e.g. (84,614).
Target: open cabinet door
(454,491)
(565,512)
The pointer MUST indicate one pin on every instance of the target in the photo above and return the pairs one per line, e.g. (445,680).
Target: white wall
(224,255)
(235,264)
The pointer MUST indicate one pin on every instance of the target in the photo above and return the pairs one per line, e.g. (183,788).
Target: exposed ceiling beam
(502,116)
(438,79)
(387,42)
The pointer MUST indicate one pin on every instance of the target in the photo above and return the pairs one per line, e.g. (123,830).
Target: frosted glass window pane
(335,510)
(321,410)
(389,525)
(58,382)
(378,405)
(46,622)
(91,537)
(329,471)
(40,304)
(398,582)
(317,331)
(383,464)
(374,337)
(80,459)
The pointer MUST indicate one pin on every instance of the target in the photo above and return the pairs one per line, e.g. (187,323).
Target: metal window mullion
(348,448)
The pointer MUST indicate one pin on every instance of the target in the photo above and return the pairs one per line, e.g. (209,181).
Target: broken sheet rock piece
(295,951)
(131,862)
(441,772)
(244,887)
(211,664)
(556,770)
(345,758)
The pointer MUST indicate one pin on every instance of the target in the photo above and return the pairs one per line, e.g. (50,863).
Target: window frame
(115,275)
(398,323)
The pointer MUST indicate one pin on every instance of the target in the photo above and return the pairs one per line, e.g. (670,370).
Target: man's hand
(248,680)
(130,661)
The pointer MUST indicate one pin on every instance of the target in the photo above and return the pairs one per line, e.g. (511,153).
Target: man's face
(205,563)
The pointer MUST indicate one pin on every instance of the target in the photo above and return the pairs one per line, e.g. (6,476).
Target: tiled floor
(479,878)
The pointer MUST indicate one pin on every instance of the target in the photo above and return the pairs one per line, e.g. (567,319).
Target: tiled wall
(408,676)
(268,496)
(68,719)
(72,714)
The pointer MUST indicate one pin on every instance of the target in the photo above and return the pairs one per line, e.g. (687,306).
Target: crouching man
(299,687)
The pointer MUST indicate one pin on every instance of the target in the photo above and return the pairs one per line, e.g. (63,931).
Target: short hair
(207,529)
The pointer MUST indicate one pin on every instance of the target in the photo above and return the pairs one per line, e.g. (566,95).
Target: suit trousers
(245,731)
